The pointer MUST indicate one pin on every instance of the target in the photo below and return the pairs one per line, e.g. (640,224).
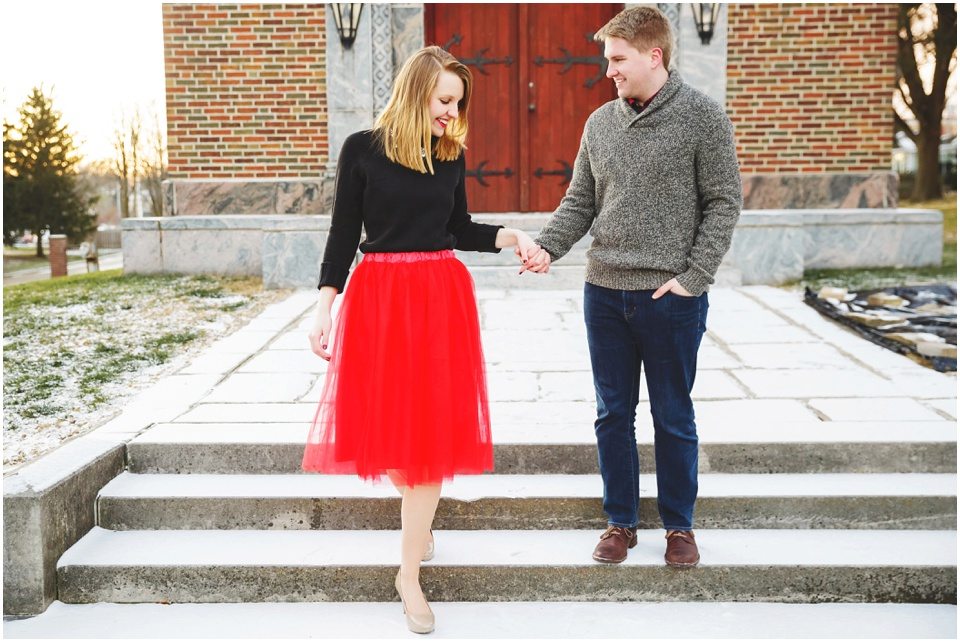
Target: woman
(405,394)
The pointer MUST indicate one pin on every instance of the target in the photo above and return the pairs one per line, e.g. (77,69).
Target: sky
(96,58)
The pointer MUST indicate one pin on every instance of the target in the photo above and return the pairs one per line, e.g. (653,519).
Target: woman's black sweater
(401,209)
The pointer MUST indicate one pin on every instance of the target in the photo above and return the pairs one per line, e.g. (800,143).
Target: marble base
(872,238)
(768,247)
(820,190)
(228,245)
(293,250)
(248,196)
(140,245)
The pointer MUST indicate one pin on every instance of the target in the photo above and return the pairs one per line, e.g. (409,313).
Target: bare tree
(154,168)
(926,35)
(126,148)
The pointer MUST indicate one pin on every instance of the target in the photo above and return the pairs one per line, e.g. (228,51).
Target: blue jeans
(627,329)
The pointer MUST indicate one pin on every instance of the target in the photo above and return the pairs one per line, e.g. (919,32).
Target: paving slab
(793,310)
(215,363)
(298,303)
(271,323)
(248,341)
(791,355)
(947,407)
(260,387)
(292,340)
(874,409)
(249,412)
(924,383)
(513,386)
(284,361)
(807,383)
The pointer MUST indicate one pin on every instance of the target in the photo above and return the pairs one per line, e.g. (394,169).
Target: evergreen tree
(41,191)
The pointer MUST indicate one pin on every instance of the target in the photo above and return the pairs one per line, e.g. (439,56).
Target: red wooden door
(484,37)
(537,76)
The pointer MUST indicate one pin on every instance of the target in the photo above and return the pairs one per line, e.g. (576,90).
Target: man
(657,182)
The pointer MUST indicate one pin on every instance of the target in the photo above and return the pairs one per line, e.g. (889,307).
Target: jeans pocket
(684,310)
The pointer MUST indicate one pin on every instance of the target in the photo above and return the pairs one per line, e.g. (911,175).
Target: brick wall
(809,86)
(246,90)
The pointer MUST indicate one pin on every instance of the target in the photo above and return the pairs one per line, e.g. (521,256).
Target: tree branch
(908,63)
(901,125)
(945,39)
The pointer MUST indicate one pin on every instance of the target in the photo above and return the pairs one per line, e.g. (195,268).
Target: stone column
(349,82)
(703,66)
(406,32)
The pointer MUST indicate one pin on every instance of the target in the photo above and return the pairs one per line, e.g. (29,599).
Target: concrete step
(491,620)
(338,502)
(748,446)
(800,566)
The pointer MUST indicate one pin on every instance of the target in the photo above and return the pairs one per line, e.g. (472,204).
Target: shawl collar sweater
(659,191)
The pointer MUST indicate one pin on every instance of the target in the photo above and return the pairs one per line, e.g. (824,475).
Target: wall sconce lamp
(347,17)
(705,16)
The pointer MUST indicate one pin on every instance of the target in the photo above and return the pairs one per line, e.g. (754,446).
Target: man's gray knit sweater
(659,191)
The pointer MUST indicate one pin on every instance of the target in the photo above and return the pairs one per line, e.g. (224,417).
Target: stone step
(360,565)
(491,620)
(341,502)
(758,445)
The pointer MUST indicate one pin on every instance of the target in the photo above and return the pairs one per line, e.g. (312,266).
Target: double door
(537,75)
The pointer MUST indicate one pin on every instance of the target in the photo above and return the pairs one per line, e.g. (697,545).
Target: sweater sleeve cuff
(554,256)
(489,238)
(695,281)
(333,275)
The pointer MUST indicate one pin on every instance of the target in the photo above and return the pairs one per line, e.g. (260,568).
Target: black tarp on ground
(942,323)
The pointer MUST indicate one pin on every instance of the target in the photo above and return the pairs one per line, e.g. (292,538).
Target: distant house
(904,157)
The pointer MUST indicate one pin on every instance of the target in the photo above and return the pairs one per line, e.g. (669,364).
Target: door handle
(531,106)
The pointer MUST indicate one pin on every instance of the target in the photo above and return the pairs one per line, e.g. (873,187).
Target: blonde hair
(644,28)
(404,126)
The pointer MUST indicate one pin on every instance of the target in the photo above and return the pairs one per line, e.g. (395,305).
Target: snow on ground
(69,368)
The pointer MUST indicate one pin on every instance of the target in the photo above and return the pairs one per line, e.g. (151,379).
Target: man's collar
(665,93)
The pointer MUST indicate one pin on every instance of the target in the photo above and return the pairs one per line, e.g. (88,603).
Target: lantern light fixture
(347,17)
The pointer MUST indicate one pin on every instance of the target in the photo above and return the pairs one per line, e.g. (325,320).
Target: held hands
(671,286)
(533,257)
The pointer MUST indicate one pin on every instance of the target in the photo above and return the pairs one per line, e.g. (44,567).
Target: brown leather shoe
(681,549)
(614,543)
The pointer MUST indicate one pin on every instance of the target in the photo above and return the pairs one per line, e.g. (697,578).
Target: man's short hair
(644,28)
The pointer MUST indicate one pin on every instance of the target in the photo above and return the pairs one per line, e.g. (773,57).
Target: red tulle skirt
(405,389)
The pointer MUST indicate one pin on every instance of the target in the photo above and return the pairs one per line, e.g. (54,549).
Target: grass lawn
(871,278)
(75,346)
(21,258)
